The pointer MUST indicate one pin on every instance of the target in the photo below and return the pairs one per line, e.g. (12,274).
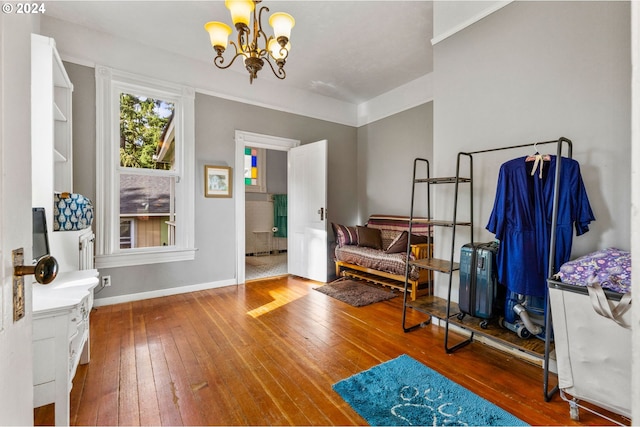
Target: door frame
(256,140)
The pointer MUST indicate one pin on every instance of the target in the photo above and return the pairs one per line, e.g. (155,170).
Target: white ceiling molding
(412,94)
(83,46)
(450,17)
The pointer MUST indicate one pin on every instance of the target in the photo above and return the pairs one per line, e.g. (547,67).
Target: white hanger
(538,159)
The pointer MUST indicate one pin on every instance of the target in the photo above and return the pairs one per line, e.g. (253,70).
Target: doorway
(260,263)
(266,214)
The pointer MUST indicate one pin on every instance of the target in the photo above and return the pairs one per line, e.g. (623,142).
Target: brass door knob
(45,270)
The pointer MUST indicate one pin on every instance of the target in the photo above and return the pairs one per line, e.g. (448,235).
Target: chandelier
(253,45)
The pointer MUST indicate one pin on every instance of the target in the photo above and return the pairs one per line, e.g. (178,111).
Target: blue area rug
(404,392)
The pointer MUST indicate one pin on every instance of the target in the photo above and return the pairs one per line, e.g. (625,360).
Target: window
(145,155)
(126,233)
(254,170)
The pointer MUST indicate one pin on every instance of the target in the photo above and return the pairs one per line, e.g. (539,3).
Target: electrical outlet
(106,281)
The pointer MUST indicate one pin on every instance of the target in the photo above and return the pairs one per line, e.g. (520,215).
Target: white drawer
(45,370)
(44,328)
(43,394)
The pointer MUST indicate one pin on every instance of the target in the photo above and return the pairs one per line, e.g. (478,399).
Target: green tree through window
(142,122)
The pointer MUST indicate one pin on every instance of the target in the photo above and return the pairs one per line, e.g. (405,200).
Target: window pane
(254,170)
(147,205)
(251,166)
(247,166)
(147,132)
(126,233)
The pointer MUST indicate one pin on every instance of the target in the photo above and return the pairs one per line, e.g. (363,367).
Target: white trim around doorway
(259,141)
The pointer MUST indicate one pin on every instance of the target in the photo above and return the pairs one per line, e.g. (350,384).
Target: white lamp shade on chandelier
(218,33)
(282,23)
(240,10)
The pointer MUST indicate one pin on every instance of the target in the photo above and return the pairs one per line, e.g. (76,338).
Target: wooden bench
(419,287)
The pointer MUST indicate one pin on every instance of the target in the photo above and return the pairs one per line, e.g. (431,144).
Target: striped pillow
(345,235)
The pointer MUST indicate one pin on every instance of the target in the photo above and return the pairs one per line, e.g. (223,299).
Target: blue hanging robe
(521,220)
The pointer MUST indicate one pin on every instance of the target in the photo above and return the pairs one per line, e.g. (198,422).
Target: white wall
(16,357)
(535,71)
(453,16)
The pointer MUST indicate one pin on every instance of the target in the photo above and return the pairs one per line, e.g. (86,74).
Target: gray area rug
(355,293)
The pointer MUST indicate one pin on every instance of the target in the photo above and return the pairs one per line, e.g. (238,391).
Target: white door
(307,180)
(16,355)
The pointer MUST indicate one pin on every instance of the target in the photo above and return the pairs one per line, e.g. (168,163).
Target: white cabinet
(60,337)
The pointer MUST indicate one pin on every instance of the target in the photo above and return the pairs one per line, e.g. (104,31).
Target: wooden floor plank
(148,409)
(237,389)
(165,388)
(109,381)
(238,335)
(221,407)
(128,398)
(268,353)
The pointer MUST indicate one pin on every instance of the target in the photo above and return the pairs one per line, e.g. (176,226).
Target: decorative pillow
(388,236)
(71,211)
(345,235)
(400,242)
(369,237)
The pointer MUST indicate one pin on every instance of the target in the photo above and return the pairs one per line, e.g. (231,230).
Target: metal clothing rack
(429,304)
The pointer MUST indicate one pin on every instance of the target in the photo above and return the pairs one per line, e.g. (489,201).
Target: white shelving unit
(62,146)
(52,142)
(51,125)
(61,309)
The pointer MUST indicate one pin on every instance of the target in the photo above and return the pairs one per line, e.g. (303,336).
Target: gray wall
(536,71)
(84,129)
(216,122)
(276,172)
(386,150)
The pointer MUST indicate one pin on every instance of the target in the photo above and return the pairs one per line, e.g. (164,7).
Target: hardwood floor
(267,353)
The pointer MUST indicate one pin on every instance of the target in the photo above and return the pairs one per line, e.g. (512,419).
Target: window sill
(144,257)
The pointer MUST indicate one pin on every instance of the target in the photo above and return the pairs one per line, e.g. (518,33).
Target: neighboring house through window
(145,151)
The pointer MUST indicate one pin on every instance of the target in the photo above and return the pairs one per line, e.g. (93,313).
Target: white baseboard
(100,302)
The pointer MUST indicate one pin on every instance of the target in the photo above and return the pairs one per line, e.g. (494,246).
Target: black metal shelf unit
(445,309)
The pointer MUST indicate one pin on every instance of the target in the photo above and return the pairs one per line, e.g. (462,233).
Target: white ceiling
(348,50)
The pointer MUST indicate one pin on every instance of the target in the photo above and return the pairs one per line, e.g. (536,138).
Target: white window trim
(109,83)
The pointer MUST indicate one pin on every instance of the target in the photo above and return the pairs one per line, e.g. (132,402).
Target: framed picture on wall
(217,181)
